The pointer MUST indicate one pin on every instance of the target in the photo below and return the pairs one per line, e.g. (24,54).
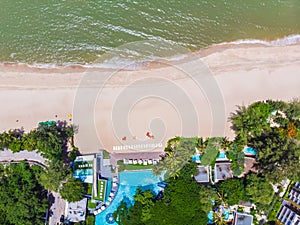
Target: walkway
(7,156)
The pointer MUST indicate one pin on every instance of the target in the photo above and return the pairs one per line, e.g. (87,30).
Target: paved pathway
(57,208)
(8,155)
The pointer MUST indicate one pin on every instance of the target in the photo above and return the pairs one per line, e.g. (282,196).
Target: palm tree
(219,218)
(201,145)
(226,144)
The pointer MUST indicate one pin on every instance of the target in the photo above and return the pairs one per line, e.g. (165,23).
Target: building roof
(222,171)
(289,213)
(294,194)
(77,211)
(202,174)
(250,165)
(243,219)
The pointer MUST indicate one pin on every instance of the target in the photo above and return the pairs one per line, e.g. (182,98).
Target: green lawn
(89,188)
(276,206)
(91,205)
(101,192)
(105,155)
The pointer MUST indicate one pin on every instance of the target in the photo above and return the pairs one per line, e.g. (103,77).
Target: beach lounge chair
(130,161)
(150,161)
(145,163)
(140,161)
(135,161)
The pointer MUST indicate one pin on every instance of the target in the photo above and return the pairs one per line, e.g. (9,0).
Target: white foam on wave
(136,61)
(285,41)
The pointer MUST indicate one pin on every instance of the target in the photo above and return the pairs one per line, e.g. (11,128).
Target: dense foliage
(232,190)
(55,173)
(22,198)
(72,190)
(273,129)
(178,152)
(48,139)
(259,192)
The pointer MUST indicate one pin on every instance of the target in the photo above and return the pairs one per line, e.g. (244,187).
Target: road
(57,208)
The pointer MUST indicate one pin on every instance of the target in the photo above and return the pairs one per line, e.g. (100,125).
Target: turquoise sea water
(60,32)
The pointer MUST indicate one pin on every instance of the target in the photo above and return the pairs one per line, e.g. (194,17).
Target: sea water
(62,32)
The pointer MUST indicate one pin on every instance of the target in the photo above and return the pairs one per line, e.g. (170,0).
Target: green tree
(54,175)
(233,189)
(259,191)
(178,153)
(251,121)
(22,200)
(213,146)
(72,190)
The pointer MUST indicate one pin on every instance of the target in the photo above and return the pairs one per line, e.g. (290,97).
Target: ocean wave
(285,41)
(131,59)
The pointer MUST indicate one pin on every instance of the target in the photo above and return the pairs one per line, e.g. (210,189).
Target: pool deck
(115,157)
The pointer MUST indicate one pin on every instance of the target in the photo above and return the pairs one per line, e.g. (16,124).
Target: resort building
(76,211)
(95,172)
(222,171)
(242,219)
(289,213)
(202,175)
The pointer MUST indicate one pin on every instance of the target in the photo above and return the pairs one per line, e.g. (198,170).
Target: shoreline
(289,40)
(167,100)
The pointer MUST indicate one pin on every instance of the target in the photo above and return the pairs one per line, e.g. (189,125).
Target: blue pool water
(210,217)
(196,158)
(129,181)
(226,214)
(222,155)
(248,150)
(85,175)
(108,188)
(86,172)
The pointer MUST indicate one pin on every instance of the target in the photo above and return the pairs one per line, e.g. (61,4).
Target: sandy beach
(139,110)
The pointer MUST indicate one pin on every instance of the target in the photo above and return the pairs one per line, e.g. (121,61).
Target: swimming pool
(85,175)
(196,158)
(129,181)
(222,155)
(85,172)
(250,151)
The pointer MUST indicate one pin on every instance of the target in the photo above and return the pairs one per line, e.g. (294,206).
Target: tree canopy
(233,190)
(72,190)
(273,129)
(23,199)
(259,192)
(48,139)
